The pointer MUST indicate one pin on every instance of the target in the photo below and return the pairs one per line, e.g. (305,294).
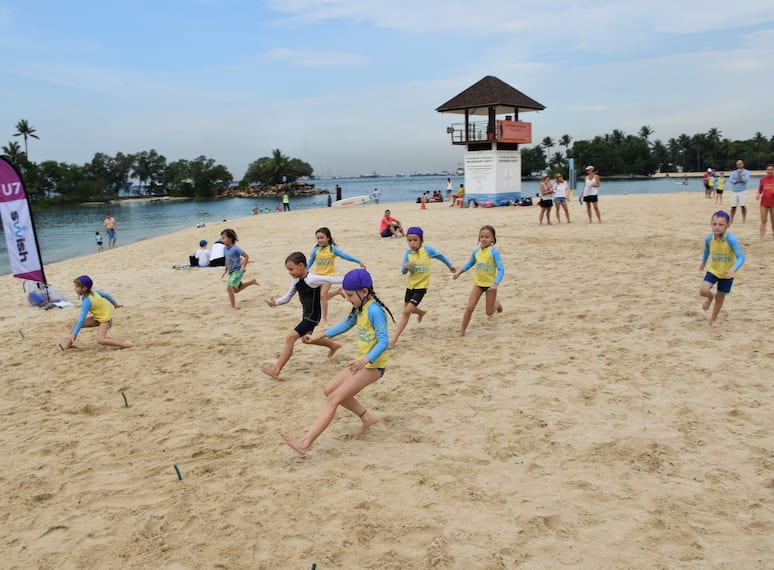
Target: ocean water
(69,232)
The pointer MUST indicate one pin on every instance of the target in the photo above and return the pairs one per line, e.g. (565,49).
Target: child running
(486,278)
(236,265)
(323,257)
(368,314)
(100,305)
(416,262)
(725,258)
(309,287)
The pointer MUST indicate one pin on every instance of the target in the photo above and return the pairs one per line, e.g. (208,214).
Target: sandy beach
(598,422)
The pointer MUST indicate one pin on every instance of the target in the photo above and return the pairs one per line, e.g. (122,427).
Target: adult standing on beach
(448,189)
(285,202)
(376,194)
(338,192)
(591,193)
(111,225)
(738,180)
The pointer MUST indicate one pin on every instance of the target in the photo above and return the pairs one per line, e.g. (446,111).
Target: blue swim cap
(357,279)
(202,243)
(415,230)
(86,281)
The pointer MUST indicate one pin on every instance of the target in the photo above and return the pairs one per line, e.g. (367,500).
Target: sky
(351,86)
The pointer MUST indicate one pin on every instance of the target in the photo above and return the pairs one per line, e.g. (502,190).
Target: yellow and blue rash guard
(99,304)
(489,266)
(419,277)
(723,254)
(372,336)
(325,257)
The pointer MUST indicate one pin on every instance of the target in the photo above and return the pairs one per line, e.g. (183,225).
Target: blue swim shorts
(724,285)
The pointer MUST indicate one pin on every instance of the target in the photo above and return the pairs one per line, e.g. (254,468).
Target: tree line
(104,177)
(621,154)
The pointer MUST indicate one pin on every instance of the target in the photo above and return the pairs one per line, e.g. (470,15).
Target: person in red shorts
(766,197)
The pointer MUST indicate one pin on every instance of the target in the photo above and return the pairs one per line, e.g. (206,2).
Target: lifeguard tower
(493,158)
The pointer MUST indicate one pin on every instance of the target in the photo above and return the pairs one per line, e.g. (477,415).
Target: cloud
(313,58)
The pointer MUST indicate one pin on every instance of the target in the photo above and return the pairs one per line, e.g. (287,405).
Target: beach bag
(40,294)
(526,201)
(193,261)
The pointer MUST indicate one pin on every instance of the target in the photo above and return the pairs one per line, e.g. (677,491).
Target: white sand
(597,423)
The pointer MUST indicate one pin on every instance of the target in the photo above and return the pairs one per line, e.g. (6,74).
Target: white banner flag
(18,227)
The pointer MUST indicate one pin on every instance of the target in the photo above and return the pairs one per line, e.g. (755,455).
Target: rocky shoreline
(292,189)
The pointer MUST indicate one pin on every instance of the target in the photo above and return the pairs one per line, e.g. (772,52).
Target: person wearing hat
(369,315)
(202,254)
(100,305)
(416,262)
(590,193)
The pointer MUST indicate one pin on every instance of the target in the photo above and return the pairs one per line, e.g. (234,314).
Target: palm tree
(645,132)
(278,165)
(547,143)
(13,152)
(565,141)
(23,129)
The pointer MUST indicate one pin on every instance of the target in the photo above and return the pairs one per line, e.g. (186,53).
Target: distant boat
(459,172)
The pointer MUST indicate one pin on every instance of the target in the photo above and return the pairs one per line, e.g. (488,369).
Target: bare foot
(269,371)
(295,443)
(707,302)
(333,349)
(714,324)
(251,282)
(460,333)
(127,344)
(368,420)
(420,314)
(499,308)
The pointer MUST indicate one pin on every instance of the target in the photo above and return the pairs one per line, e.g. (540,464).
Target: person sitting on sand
(369,314)
(308,287)
(390,226)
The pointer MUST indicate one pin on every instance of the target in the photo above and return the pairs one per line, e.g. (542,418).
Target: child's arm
(500,268)
(342,255)
(245,260)
(471,262)
(109,298)
(272,302)
(342,327)
(85,308)
(312,257)
(705,254)
(734,243)
(406,266)
(435,254)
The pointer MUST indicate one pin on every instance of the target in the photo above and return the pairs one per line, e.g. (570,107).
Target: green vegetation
(619,154)
(275,169)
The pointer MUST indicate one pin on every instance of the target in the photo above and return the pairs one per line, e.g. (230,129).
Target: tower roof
(490,92)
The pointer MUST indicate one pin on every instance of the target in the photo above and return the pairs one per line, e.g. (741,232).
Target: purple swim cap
(415,230)
(86,281)
(722,214)
(357,279)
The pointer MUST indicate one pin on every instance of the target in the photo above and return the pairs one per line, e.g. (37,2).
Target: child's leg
(475,295)
(231,296)
(771,219)
(342,388)
(764,219)
(243,286)
(285,354)
(566,213)
(324,288)
(331,345)
(102,337)
(408,310)
(492,304)
(719,298)
(706,291)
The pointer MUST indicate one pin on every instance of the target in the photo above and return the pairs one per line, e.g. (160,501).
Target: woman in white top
(560,198)
(591,193)
(546,199)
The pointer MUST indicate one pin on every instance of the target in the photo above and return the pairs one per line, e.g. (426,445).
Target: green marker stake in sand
(126,402)
(179,476)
